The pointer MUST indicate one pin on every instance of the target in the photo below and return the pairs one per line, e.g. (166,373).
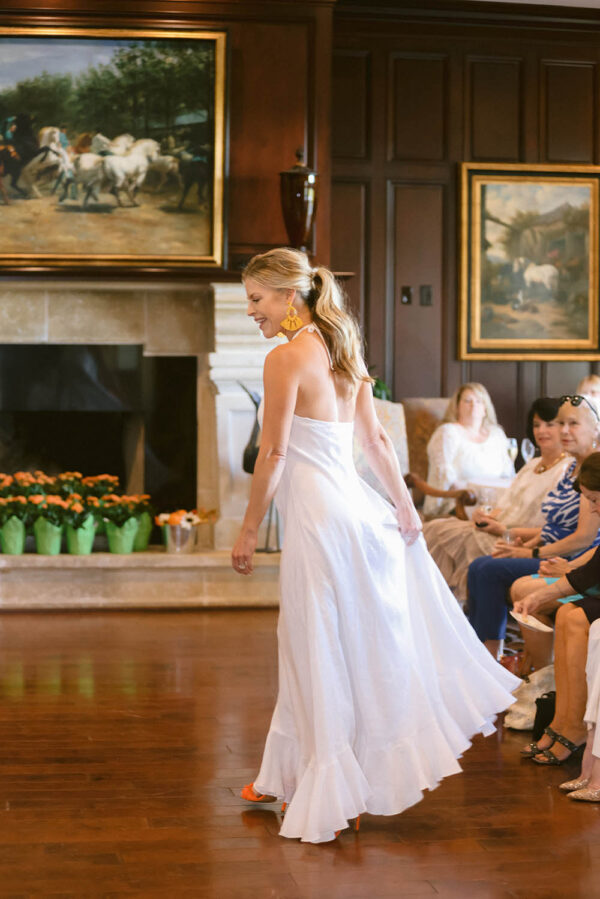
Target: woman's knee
(522,587)
(572,619)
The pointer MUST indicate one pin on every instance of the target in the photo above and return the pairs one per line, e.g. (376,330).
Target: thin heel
(283,808)
(357,824)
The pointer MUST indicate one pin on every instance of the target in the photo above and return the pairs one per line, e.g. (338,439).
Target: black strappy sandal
(551,759)
(532,749)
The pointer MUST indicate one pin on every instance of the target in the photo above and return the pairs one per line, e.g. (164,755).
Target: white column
(240,351)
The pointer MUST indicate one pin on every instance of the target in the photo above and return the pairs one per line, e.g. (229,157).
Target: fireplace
(150,373)
(100,409)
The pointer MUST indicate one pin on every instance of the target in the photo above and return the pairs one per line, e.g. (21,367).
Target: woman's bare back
(322,393)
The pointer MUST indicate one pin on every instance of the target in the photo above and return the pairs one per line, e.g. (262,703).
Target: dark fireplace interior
(102,409)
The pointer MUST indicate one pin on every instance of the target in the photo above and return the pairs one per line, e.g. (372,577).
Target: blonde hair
(481,392)
(591,382)
(285,269)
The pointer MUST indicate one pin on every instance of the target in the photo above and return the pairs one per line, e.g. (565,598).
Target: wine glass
(527,449)
(513,449)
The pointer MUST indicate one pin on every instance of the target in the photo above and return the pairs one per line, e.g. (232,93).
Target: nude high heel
(570,785)
(585,795)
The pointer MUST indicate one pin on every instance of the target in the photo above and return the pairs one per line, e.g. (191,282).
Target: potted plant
(49,512)
(98,486)
(145,516)
(179,528)
(80,525)
(69,483)
(15,515)
(119,513)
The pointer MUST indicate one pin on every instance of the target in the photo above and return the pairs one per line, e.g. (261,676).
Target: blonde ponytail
(285,269)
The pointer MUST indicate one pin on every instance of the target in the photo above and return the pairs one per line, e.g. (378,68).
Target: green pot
(48,537)
(100,525)
(12,537)
(142,538)
(121,539)
(81,540)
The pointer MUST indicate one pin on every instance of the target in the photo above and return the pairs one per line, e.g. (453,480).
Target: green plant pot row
(132,536)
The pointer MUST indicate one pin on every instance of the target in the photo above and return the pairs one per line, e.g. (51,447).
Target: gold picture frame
(529,262)
(157,98)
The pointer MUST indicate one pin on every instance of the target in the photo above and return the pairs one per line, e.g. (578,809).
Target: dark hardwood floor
(125,738)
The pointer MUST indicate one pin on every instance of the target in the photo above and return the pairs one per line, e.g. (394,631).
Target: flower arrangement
(17,507)
(50,506)
(100,485)
(186,519)
(81,505)
(119,509)
(26,483)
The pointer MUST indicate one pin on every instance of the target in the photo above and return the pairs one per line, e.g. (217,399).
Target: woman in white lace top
(469,444)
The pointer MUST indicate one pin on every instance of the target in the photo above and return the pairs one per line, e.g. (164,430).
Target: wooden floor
(124,739)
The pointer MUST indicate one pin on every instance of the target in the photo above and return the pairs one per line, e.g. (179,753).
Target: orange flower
(37,499)
(77,507)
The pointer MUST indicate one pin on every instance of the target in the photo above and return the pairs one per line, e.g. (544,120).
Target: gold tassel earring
(292,321)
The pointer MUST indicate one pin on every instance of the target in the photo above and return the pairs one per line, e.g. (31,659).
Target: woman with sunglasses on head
(454,543)
(382,682)
(575,600)
(569,529)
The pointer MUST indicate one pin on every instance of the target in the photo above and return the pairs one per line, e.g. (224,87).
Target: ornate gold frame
(213,259)
(471,344)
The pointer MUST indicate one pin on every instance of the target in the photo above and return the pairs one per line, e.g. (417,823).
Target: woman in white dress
(469,444)
(454,543)
(382,682)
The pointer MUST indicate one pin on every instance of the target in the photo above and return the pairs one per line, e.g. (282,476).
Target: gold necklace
(541,468)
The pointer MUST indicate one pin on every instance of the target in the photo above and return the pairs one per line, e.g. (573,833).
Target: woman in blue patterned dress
(570,529)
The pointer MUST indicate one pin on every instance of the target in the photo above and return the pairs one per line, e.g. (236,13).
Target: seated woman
(454,544)
(468,444)
(590,385)
(570,528)
(586,787)
(581,587)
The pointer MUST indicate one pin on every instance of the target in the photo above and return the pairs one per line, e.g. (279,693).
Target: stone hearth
(196,319)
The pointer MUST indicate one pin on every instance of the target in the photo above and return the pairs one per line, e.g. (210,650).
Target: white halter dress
(382,680)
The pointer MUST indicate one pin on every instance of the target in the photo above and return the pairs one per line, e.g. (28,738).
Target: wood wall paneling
(415,253)
(417,122)
(349,228)
(443,94)
(267,125)
(568,111)
(494,109)
(563,377)
(350,109)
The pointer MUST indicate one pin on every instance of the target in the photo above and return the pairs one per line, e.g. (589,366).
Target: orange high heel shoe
(250,795)
(356,827)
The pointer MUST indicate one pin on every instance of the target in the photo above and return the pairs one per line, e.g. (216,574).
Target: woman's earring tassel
(292,321)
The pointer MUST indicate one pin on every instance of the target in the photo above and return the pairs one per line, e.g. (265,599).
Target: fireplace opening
(102,409)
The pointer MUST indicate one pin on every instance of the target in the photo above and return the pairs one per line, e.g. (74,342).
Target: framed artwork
(529,262)
(113,148)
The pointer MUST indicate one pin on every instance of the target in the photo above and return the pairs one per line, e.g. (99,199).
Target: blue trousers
(488,583)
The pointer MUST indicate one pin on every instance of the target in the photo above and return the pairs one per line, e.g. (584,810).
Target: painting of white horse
(97,138)
(529,261)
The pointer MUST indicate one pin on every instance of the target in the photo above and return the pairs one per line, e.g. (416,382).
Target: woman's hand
(242,552)
(504,550)
(528,606)
(409,523)
(554,567)
(487,523)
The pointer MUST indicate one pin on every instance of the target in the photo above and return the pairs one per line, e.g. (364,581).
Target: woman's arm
(280,392)
(581,538)
(381,457)
(545,597)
